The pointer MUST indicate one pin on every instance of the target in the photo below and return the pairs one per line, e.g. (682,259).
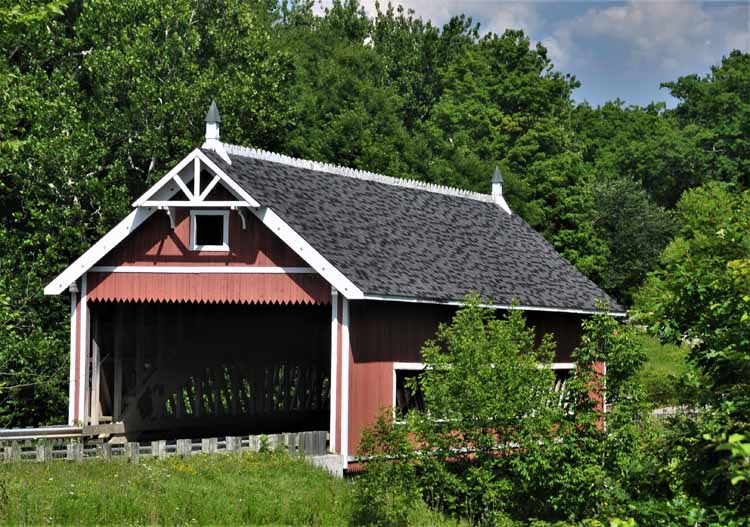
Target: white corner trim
(333,398)
(83,358)
(200,269)
(417,300)
(73,342)
(345,378)
(308,253)
(224,247)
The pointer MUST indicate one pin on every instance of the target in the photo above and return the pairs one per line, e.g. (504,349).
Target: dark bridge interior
(170,369)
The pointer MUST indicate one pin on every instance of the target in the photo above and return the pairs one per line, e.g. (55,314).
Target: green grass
(665,364)
(218,489)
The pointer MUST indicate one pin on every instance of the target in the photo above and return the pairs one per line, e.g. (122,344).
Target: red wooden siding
(209,288)
(382,333)
(155,243)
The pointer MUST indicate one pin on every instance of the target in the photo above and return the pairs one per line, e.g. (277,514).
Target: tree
(718,105)
(701,293)
(635,231)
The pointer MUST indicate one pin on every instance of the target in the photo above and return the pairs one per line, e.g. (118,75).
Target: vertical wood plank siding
(386,332)
(209,288)
(155,243)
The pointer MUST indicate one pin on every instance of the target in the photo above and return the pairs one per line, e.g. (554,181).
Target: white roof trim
(97,251)
(308,253)
(416,300)
(160,191)
(354,173)
(166,179)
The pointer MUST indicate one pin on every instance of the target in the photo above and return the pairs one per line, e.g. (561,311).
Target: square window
(209,230)
(407,399)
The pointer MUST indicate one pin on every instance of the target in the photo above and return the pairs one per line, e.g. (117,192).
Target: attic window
(209,230)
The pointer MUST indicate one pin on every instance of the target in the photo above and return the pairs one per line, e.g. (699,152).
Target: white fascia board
(416,300)
(97,251)
(194,204)
(197,269)
(308,253)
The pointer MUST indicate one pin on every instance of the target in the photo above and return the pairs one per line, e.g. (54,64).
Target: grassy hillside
(219,489)
(663,367)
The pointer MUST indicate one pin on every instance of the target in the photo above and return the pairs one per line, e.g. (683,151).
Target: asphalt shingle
(398,241)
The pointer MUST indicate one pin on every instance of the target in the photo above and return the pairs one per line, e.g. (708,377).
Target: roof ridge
(354,173)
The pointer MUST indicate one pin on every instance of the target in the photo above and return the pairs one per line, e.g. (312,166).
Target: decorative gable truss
(185,180)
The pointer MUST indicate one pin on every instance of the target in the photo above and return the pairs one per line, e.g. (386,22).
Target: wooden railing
(307,444)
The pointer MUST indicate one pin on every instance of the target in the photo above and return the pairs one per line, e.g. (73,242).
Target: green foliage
(203,490)
(662,374)
(701,294)
(389,491)
(494,443)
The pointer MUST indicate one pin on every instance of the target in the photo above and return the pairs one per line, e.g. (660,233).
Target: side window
(406,399)
(209,230)
(563,372)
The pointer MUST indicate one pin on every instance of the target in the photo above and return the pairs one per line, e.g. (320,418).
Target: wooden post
(44,451)
(184,447)
(118,336)
(234,443)
(291,443)
(75,451)
(15,451)
(131,451)
(254,443)
(105,451)
(208,445)
(159,449)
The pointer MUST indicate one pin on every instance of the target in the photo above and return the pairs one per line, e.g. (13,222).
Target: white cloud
(662,36)
(493,16)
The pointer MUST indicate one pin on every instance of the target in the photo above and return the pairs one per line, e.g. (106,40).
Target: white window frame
(224,247)
(403,366)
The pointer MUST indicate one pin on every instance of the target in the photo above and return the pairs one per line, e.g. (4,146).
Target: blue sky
(618,49)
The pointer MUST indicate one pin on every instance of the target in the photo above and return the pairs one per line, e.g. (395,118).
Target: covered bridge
(250,292)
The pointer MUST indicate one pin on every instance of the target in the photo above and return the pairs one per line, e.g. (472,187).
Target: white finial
(497,190)
(213,122)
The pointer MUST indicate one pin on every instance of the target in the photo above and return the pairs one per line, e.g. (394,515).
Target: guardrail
(50,432)
(47,448)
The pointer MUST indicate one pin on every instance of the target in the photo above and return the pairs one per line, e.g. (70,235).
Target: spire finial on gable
(213,122)
(497,189)
(212,116)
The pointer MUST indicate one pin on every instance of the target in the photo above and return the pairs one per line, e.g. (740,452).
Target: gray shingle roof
(393,240)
